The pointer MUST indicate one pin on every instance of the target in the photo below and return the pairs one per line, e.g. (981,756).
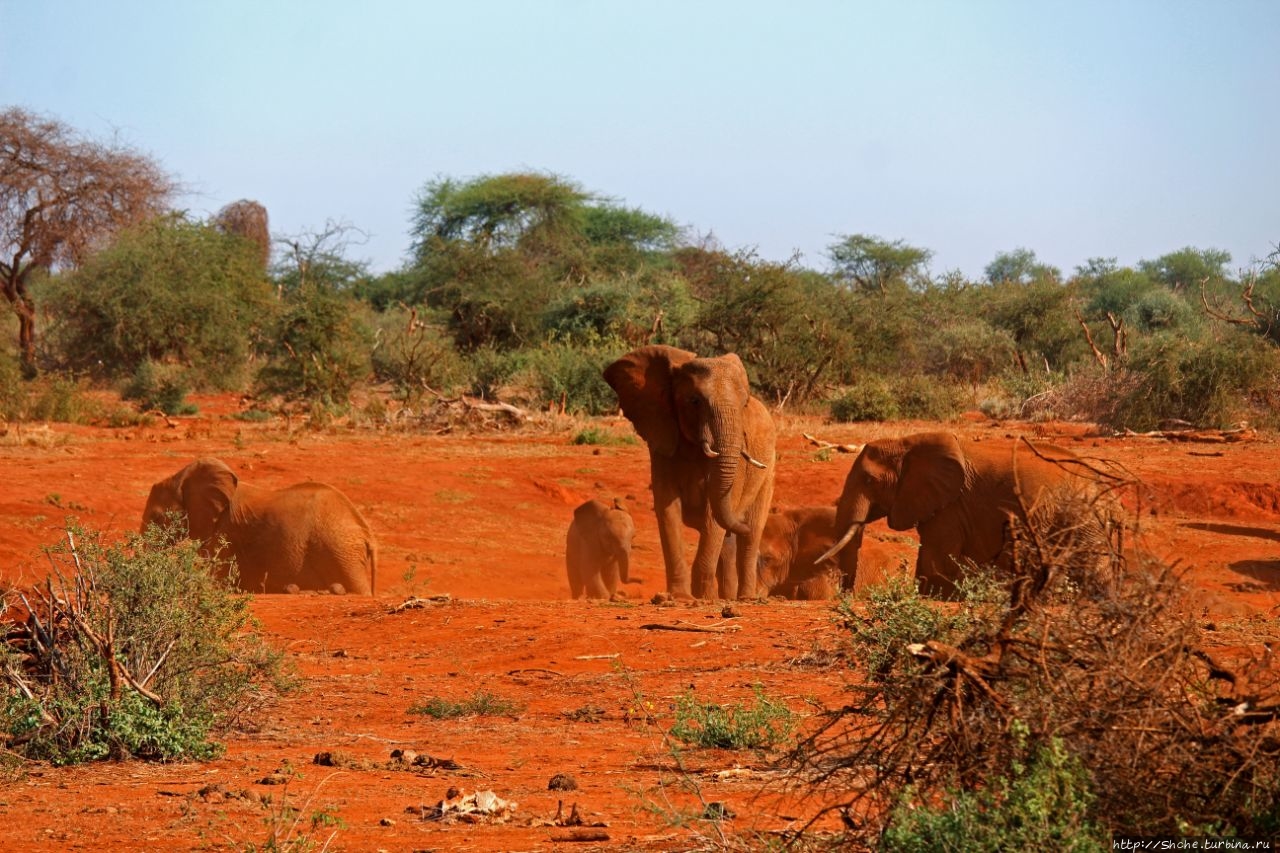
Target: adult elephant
(598,549)
(959,495)
(793,541)
(711,456)
(306,536)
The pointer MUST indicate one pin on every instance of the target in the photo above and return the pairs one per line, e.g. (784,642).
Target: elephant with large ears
(306,536)
(598,549)
(960,495)
(711,457)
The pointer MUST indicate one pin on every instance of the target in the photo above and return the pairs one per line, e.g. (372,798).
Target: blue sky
(1075,129)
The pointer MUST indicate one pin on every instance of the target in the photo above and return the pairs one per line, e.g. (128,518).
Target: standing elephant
(793,540)
(306,536)
(959,495)
(711,455)
(598,549)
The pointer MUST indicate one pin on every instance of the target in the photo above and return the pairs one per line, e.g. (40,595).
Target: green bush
(141,650)
(559,372)
(1211,382)
(159,386)
(480,704)
(317,349)
(171,290)
(59,398)
(1041,805)
(869,400)
(765,724)
(925,398)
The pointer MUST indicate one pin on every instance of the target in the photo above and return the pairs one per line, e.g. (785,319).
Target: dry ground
(482,517)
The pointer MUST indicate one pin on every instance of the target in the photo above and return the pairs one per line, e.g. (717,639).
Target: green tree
(172,291)
(1185,269)
(869,263)
(320,345)
(498,250)
(1020,267)
(782,321)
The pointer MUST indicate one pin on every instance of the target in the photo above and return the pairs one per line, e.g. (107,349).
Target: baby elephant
(598,549)
(793,540)
(307,536)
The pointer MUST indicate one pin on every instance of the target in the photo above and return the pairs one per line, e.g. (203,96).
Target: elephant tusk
(843,541)
(708,452)
(756,462)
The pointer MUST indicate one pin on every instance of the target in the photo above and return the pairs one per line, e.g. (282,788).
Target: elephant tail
(371,552)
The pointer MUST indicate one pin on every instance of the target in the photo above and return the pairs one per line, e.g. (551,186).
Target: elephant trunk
(726,434)
(853,521)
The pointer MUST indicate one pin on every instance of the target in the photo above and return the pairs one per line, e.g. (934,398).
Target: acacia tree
(870,264)
(62,196)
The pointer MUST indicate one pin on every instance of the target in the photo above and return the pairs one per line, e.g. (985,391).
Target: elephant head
(674,397)
(907,480)
(203,491)
(790,564)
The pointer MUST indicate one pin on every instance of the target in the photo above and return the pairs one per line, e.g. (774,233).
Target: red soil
(482,518)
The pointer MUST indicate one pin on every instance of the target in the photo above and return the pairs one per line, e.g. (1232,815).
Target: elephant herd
(712,463)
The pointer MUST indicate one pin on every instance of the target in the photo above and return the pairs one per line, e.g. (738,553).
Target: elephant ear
(642,380)
(206,489)
(932,476)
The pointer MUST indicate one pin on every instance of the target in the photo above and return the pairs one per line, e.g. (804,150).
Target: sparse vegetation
(764,724)
(1084,652)
(480,704)
(130,649)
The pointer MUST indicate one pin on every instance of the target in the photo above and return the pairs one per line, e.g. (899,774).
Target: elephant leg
(609,577)
(728,570)
(596,586)
(937,569)
(670,521)
(748,568)
(706,560)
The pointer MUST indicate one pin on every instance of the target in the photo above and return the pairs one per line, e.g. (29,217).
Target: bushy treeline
(523,286)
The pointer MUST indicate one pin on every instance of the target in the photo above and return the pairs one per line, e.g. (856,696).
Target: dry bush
(1090,649)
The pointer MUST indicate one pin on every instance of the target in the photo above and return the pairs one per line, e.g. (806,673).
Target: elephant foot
(337,589)
(292,589)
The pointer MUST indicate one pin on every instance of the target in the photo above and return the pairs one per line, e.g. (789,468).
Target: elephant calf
(793,540)
(598,549)
(307,536)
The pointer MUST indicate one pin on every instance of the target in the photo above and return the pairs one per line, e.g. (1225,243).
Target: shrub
(159,386)
(1085,652)
(59,398)
(765,724)
(869,400)
(171,289)
(318,348)
(1212,382)
(1040,805)
(562,373)
(136,649)
(415,353)
(479,704)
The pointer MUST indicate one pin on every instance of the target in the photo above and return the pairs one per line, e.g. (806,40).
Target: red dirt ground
(482,517)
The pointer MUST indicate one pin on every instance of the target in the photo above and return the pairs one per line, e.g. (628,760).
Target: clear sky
(1075,129)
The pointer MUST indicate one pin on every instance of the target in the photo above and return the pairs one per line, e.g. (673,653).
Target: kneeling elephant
(306,536)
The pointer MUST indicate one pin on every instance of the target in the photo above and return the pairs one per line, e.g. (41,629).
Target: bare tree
(248,219)
(62,196)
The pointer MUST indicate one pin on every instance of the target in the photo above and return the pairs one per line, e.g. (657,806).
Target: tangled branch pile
(1087,665)
(135,649)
